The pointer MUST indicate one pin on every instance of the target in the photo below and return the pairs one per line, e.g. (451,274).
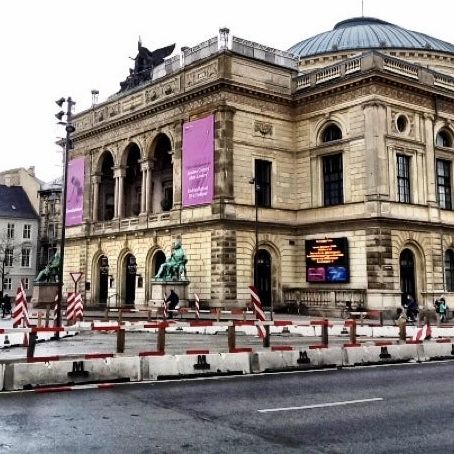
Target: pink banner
(75,191)
(198,161)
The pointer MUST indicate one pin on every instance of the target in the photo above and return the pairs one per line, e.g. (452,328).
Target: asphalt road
(393,409)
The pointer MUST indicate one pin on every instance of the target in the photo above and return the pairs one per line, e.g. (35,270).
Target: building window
(51,231)
(9,256)
(333,192)
(444,184)
(330,133)
(403,178)
(401,123)
(26,283)
(443,139)
(449,270)
(10,231)
(262,183)
(7,283)
(25,258)
(27,231)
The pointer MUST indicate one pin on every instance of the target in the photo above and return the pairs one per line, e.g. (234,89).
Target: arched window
(106,189)
(449,270)
(133,182)
(331,133)
(444,138)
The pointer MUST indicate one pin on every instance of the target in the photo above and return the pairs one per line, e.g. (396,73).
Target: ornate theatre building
(322,174)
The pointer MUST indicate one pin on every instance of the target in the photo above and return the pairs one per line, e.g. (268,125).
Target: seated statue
(50,272)
(174,268)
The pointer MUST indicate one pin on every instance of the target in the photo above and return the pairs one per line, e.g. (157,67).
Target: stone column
(119,175)
(95,180)
(148,194)
(177,164)
(144,169)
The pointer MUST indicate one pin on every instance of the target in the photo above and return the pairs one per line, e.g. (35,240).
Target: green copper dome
(368,33)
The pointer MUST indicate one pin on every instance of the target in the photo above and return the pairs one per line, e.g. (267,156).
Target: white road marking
(329,404)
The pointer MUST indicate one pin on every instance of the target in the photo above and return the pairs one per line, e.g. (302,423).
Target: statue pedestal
(44,293)
(158,288)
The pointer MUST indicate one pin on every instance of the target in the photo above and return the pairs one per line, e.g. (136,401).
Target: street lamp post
(256,190)
(67,146)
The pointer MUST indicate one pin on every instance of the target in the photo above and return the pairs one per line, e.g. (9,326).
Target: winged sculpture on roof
(144,63)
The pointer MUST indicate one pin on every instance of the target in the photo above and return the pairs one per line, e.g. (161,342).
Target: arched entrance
(262,276)
(407,273)
(103,279)
(129,273)
(158,259)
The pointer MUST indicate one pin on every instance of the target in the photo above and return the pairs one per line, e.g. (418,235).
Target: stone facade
(388,111)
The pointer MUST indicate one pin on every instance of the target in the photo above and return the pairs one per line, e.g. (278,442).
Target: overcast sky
(54,48)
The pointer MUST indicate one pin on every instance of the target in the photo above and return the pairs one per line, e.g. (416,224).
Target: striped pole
(55,308)
(20,313)
(197,306)
(164,306)
(78,308)
(259,314)
(71,307)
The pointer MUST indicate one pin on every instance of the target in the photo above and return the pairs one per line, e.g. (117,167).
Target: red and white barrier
(259,314)
(20,312)
(423,333)
(55,308)
(197,306)
(75,309)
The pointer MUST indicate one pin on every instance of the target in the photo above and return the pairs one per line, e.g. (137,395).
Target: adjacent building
(321,174)
(18,239)
(49,237)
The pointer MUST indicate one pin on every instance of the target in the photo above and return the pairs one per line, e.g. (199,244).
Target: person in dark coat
(172,301)
(6,305)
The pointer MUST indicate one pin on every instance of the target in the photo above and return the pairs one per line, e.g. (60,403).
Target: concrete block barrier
(376,354)
(364,330)
(267,361)
(385,331)
(307,331)
(437,350)
(156,367)
(27,375)
(442,332)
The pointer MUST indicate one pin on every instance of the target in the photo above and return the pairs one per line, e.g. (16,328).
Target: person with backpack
(441,309)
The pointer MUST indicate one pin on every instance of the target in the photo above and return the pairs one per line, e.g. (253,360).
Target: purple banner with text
(75,191)
(198,161)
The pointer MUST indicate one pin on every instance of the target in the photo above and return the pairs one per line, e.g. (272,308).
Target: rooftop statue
(174,268)
(50,272)
(144,63)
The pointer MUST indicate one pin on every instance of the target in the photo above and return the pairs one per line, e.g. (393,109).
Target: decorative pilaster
(430,159)
(378,185)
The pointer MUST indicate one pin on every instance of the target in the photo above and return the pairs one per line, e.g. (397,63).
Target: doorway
(103,279)
(262,276)
(407,274)
(130,281)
